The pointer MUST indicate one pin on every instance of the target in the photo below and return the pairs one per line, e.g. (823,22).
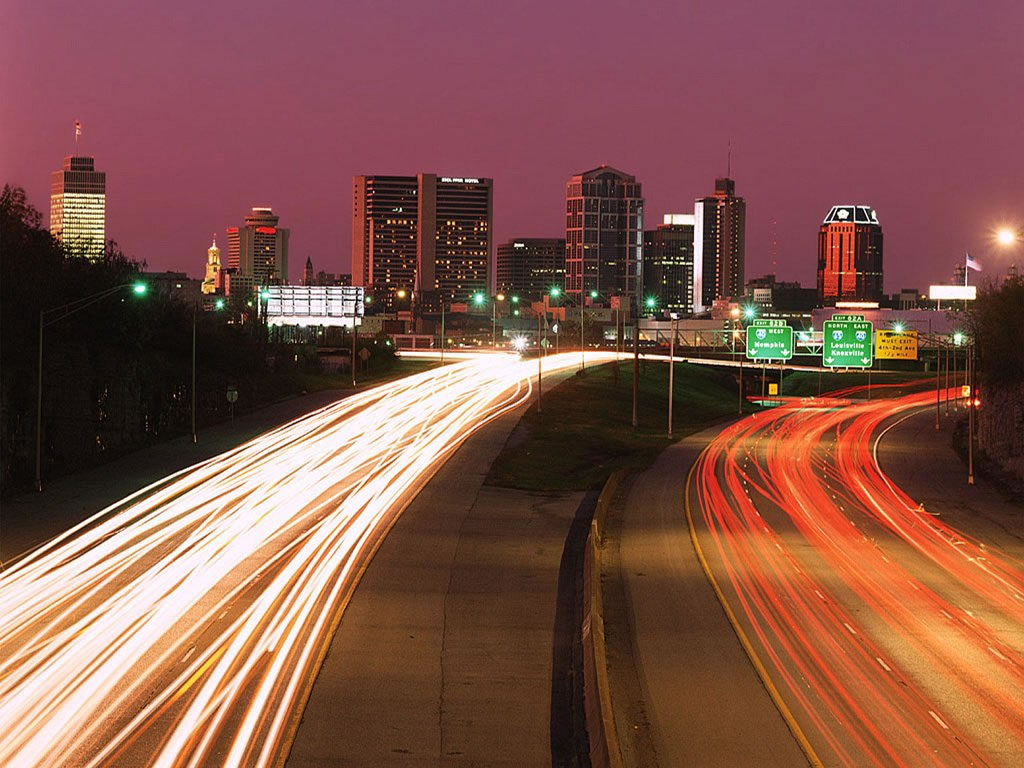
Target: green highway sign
(769,340)
(849,342)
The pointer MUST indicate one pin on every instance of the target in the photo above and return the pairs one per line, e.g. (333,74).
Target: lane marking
(938,720)
(755,660)
(884,665)
(197,674)
(997,653)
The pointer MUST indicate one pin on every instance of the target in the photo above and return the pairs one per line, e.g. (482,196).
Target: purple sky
(198,111)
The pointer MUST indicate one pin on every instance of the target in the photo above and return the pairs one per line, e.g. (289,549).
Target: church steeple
(212,267)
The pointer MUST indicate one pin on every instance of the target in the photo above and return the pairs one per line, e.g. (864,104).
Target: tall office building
(428,234)
(604,225)
(718,245)
(529,266)
(259,248)
(212,277)
(385,232)
(78,207)
(668,262)
(850,255)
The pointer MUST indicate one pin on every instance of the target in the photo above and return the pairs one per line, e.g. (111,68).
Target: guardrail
(597,701)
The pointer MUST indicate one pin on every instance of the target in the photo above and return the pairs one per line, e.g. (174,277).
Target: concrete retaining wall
(601,732)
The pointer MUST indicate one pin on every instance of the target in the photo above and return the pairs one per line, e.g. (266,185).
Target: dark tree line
(116,375)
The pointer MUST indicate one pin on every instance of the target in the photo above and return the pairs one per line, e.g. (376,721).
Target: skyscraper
(604,224)
(385,235)
(78,207)
(718,245)
(212,268)
(424,233)
(259,248)
(668,262)
(529,266)
(850,255)
(307,272)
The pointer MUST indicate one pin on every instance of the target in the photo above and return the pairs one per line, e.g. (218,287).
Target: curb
(597,701)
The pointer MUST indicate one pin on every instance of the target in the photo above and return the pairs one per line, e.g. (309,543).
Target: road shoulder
(702,700)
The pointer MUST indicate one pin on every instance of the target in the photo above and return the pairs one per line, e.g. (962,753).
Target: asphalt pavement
(444,654)
(704,703)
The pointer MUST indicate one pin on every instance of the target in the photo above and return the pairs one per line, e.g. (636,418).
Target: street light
(139,288)
(1006,236)
(671,370)
(750,312)
(898,327)
(651,302)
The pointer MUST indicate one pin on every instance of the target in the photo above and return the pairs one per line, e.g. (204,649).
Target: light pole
(970,415)
(59,313)
(671,370)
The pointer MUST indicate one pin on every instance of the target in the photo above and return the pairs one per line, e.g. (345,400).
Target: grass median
(585,431)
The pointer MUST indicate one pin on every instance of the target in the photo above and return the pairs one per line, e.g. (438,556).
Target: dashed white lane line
(884,665)
(938,719)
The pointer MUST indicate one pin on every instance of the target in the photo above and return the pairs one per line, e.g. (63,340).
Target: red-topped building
(259,249)
(850,255)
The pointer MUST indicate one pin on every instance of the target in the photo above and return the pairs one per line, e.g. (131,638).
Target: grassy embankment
(585,431)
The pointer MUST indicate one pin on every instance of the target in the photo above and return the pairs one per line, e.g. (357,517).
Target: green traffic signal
(593,294)
(515,299)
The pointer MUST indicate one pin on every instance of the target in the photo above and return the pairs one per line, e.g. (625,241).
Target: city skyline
(779,115)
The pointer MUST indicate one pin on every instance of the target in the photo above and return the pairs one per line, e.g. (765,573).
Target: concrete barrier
(597,701)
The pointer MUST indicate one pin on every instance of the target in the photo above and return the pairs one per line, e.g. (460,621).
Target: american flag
(971,263)
(78,130)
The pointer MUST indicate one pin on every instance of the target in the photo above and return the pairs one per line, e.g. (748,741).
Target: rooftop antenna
(728,161)
(78,133)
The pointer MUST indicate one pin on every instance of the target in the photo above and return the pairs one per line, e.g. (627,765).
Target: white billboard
(953,292)
(302,305)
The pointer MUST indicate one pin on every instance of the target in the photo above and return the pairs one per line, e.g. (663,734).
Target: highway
(183,626)
(884,635)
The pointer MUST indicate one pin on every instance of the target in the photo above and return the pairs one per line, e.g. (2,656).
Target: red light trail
(894,638)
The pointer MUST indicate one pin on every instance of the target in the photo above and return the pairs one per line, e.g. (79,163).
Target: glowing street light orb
(140,289)
(555,292)
(1006,236)
(958,338)
(519,343)
(898,327)
(500,297)
(478,299)
(401,293)
(749,312)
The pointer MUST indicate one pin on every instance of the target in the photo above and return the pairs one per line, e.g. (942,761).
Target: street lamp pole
(193,374)
(68,309)
(636,356)
(442,331)
(970,415)
(671,371)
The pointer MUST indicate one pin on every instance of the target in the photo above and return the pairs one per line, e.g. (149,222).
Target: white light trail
(180,625)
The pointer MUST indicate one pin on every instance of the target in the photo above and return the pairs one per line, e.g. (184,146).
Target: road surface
(184,624)
(885,635)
